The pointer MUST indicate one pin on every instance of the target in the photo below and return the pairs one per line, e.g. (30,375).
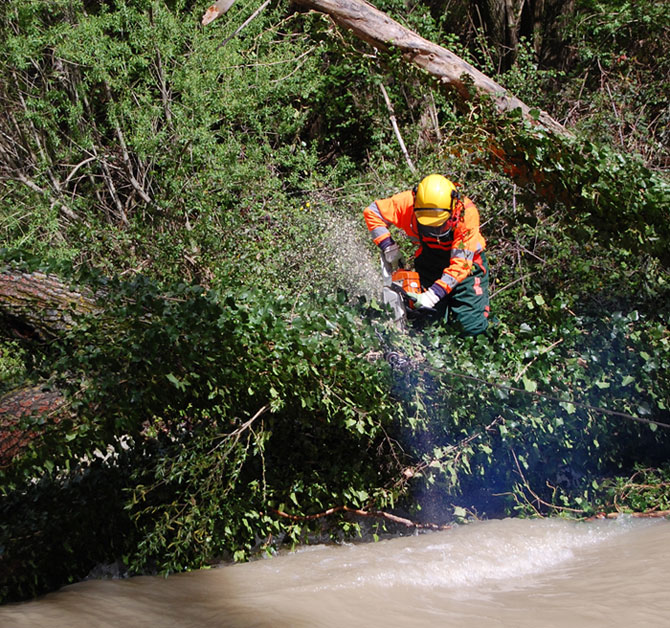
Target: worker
(450,259)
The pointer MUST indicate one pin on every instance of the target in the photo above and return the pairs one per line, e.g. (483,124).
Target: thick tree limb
(219,7)
(42,306)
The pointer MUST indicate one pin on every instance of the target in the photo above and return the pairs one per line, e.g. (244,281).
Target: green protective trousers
(467,305)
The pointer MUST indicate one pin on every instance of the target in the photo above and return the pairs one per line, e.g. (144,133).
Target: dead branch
(396,130)
(536,497)
(244,24)
(379,514)
(126,158)
(36,188)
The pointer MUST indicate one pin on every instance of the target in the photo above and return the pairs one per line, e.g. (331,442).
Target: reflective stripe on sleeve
(376,223)
(463,254)
(448,282)
(375,210)
(379,233)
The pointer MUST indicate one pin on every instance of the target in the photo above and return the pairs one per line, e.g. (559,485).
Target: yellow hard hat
(434,200)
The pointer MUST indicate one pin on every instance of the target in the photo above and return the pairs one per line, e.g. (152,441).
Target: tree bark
(37,304)
(541,22)
(501,20)
(548,30)
(21,403)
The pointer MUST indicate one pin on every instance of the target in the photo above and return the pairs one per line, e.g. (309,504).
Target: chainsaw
(398,285)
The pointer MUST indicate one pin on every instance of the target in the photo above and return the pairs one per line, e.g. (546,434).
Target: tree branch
(380,514)
(394,122)
(244,24)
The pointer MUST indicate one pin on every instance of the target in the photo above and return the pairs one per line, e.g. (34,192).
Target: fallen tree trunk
(379,30)
(40,304)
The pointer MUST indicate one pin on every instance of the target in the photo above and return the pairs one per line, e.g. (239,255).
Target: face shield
(434,223)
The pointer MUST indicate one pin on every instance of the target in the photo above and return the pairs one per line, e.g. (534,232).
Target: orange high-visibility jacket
(465,247)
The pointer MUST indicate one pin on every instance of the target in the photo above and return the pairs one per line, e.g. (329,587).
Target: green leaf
(460,513)
(173,380)
(529,384)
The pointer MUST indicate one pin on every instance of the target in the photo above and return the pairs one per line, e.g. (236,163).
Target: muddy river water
(512,573)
